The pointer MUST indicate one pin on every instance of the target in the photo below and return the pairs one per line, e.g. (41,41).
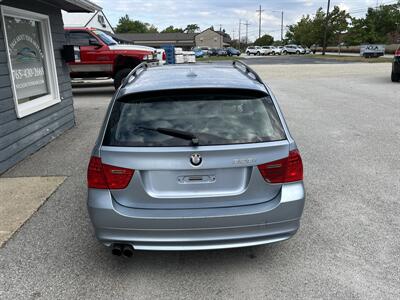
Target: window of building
(31,60)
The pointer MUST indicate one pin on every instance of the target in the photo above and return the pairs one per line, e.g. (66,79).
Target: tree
(192,28)
(376,26)
(172,29)
(303,32)
(309,31)
(126,25)
(266,39)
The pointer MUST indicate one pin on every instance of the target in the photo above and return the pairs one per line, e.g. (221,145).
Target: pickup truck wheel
(121,74)
(395,77)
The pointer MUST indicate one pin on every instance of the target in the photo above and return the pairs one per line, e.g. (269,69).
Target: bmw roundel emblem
(195,159)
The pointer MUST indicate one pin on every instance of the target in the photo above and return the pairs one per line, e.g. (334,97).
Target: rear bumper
(197,229)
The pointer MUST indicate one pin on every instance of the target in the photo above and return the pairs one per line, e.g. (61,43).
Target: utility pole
(326,28)
(282,27)
(247,32)
(222,36)
(240,23)
(259,21)
(280,11)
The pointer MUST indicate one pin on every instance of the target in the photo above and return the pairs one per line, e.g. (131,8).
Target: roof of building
(157,36)
(191,77)
(81,19)
(75,5)
(226,37)
(77,19)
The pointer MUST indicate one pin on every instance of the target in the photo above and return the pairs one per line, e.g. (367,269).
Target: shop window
(31,60)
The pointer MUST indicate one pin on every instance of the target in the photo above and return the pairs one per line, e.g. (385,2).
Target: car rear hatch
(234,132)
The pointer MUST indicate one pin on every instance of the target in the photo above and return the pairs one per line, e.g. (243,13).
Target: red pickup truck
(101,56)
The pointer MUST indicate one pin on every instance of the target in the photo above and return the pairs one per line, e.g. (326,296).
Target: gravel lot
(346,120)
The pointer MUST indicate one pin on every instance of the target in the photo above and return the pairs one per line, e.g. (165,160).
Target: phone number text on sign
(28,73)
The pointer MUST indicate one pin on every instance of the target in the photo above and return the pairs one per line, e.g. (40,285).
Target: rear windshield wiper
(175,133)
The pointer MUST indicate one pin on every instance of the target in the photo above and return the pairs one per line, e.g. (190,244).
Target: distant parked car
(293,49)
(396,66)
(276,50)
(307,50)
(212,52)
(198,52)
(222,52)
(232,51)
(255,50)
(267,50)
(251,50)
(204,49)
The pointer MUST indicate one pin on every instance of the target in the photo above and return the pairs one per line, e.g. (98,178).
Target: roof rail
(247,70)
(134,73)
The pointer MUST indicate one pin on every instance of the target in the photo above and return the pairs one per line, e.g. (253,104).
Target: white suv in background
(268,50)
(255,50)
(272,50)
(293,49)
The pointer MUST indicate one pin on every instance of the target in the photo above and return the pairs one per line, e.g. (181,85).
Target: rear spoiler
(245,68)
(134,73)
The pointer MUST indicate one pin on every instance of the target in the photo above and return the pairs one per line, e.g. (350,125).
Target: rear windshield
(215,118)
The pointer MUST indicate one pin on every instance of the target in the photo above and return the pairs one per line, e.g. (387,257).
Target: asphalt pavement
(346,120)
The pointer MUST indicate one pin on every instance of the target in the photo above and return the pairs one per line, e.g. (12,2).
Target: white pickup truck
(368,51)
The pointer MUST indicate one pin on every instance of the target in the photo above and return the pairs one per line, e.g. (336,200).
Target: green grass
(353,58)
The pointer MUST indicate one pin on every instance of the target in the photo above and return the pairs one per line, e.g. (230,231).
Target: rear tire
(395,77)
(121,74)
(258,53)
(284,52)
(248,53)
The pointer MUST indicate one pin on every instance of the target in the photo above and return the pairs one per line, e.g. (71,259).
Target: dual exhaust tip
(122,249)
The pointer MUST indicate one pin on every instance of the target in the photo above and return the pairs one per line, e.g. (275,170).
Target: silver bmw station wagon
(193,158)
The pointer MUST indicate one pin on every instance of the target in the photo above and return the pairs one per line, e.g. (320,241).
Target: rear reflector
(103,176)
(288,169)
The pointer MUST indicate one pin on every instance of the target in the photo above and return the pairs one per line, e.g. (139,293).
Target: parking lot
(346,120)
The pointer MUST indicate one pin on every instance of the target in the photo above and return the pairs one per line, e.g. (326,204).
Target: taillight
(288,169)
(164,56)
(397,53)
(103,176)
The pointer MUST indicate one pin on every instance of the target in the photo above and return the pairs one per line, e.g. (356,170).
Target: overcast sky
(225,13)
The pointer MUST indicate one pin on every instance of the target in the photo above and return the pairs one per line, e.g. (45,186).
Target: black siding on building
(22,137)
